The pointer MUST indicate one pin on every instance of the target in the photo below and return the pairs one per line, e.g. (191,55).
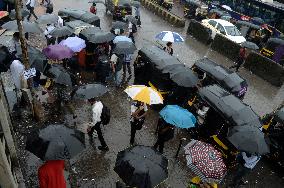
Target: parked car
(224,28)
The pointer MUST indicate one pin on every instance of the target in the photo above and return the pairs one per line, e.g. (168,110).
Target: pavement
(93,168)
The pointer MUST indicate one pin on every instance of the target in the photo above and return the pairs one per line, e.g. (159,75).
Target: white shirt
(130,27)
(113,58)
(31,2)
(251,161)
(60,22)
(17,69)
(134,108)
(48,30)
(97,109)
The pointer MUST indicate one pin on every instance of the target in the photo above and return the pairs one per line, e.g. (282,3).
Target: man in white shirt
(130,31)
(30,4)
(17,70)
(249,162)
(47,31)
(114,64)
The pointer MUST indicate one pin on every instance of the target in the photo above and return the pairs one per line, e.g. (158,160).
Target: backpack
(105,117)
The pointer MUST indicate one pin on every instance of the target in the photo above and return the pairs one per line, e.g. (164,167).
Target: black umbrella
(185,78)
(56,142)
(249,139)
(89,18)
(61,31)
(141,167)
(90,31)
(59,75)
(101,37)
(173,69)
(131,19)
(47,19)
(250,45)
(29,27)
(124,47)
(24,13)
(90,91)
(119,25)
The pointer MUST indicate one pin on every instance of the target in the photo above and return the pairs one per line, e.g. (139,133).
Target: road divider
(166,15)
(198,31)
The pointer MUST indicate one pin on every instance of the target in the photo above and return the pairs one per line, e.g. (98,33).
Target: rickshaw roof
(229,106)
(248,24)
(71,12)
(276,40)
(226,77)
(89,17)
(77,23)
(158,57)
(280,115)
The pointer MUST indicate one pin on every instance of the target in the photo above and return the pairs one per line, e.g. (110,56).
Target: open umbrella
(185,78)
(169,36)
(101,37)
(119,25)
(227,7)
(178,116)
(47,19)
(249,45)
(131,19)
(57,52)
(56,142)
(60,76)
(173,69)
(136,4)
(29,27)
(76,44)
(61,31)
(24,13)
(121,39)
(144,94)
(205,161)
(124,48)
(90,91)
(249,139)
(141,167)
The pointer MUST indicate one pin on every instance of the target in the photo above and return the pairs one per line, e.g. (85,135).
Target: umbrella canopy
(131,19)
(169,36)
(90,31)
(250,45)
(124,48)
(205,161)
(119,25)
(61,31)
(90,91)
(185,78)
(24,13)
(173,69)
(249,139)
(101,37)
(121,39)
(144,94)
(56,142)
(76,44)
(60,76)
(178,116)
(47,19)
(57,52)
(226,7)
(90,18)
(141,167)
(29,27)
(136,4)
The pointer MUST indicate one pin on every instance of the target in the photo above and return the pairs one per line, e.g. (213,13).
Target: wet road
(94,168)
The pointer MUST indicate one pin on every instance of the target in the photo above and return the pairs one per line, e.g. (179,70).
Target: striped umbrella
(169,36)
(144,94)
(205,161)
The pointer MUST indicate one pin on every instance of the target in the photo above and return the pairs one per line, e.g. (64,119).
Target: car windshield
(232,30)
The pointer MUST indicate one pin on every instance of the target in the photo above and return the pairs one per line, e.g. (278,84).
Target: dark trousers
(238,64)
(160,143)
(32,13)
(132,37)
(126,64)
(50,41)
(133,132)
(97,127)
(242,171)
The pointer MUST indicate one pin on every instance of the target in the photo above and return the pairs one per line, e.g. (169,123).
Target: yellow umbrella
(144,94)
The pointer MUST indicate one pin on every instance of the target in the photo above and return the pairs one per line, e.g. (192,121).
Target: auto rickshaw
(274,49)
(250,31)
(212,73)
(119,8)
(217,110)
(194,9)
(77,26)
(274,129)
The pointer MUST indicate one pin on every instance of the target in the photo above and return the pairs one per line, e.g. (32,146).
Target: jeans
(128,67)
(97,127)
(32,13)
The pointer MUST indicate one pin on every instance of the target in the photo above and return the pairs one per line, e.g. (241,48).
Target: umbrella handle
(179,146)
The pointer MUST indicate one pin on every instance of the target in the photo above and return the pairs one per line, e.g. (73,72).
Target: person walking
(93,8)
(98,113)
(138,114)
(169,48)
(246,163)
(126,63)
(51,174)
(165,133)
(49,39)
(240,59)
(30,4)
(130,32)
(115,67)
(137,16)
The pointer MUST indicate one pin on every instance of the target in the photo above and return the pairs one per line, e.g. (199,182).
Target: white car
(224,28)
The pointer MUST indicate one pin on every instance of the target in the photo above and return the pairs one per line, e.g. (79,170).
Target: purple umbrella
(57,52)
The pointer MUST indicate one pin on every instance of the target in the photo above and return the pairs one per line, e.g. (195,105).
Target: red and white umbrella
(205,161)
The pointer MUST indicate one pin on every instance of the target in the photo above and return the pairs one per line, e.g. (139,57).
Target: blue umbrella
(121,39)
(169,36)
(178,116)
